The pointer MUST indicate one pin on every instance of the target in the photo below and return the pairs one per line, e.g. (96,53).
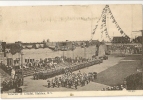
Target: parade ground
(110,73)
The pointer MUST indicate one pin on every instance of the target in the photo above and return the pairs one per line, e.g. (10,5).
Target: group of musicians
(12,83)
(61,69)
(70,80)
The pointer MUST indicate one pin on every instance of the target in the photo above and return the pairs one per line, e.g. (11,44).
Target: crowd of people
(6,68)
(52,62)
(57,65)
(62,68)
(126,49)
(72,80)
(11,83)
(114,88)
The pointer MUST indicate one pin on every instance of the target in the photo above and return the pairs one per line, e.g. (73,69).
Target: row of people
(48,73)
(114,88)
(72,80)
(48,62)
(125,49)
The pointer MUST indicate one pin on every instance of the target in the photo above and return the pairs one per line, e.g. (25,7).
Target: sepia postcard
(71,50)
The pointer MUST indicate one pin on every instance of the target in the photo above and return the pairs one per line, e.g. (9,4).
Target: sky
(60,23)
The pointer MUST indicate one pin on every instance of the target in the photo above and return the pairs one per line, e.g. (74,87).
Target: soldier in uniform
(125,83)
(53,83)
(86,78)
(70,83)
(89,77)
(48,83)
(76,83)
(10,84)
(95,75)
(59,81)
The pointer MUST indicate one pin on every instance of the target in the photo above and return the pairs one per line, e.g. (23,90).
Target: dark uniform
(48,84)
(95,75)
(53,83)
(76,83)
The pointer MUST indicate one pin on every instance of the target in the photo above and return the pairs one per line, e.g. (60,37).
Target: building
(121,40)
(138,39)
(2,52)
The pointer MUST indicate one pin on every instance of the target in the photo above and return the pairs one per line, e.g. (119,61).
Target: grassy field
(115,74)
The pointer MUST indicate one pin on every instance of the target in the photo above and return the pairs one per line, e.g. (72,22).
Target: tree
(15,48)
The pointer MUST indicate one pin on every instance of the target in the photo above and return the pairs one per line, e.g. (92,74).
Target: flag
(119,28)
(106,6)
(101,27)
(111,17)
(113,21)
(109,11)
(105,29)
(121,32)
(94,29)
(93,32)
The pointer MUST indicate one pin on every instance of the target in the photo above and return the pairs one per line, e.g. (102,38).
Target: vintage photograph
(71,48)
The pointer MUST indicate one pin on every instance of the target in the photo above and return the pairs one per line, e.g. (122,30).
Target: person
(124,89)
(59,81)
(95,75)
(12,73)
(48,83)
(76,83)
(4,85)
(53,83)
(125,83)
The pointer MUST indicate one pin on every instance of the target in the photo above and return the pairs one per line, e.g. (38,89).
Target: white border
(28,3)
